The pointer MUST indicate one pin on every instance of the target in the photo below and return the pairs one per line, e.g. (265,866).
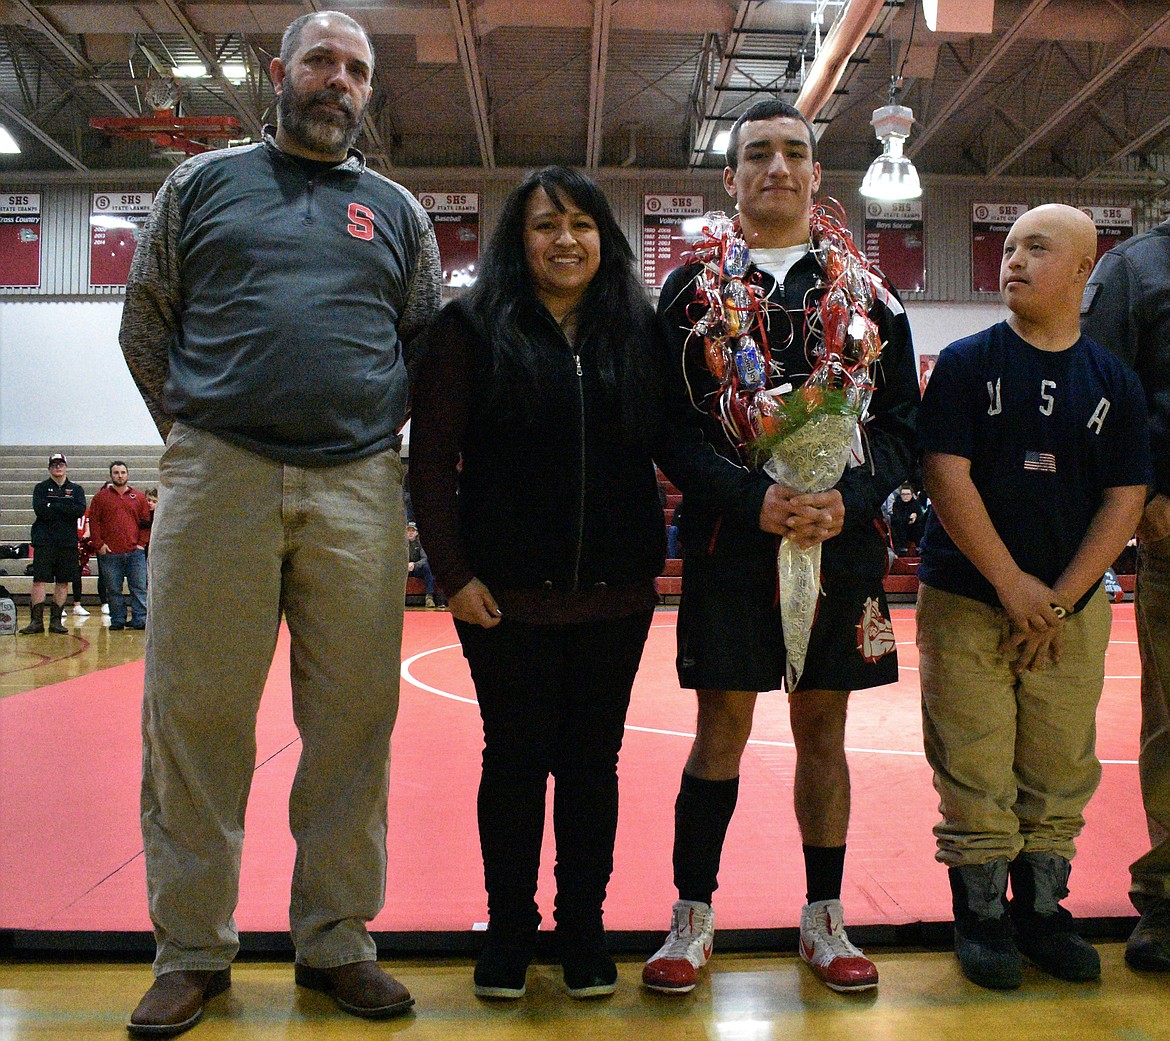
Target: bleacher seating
(22,466)
(901,584)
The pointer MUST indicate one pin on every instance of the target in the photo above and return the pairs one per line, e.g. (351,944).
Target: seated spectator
(674,547)
(907,521)
(419,566)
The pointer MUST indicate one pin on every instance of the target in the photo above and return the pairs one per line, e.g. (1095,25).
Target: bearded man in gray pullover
(269,313)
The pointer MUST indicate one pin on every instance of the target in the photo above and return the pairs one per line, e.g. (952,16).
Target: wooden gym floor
(756,997)
(922,997)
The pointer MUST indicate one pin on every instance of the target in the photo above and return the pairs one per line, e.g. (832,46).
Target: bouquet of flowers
(803,438)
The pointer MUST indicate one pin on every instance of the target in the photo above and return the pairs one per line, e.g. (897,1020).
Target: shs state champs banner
(664,240)
(114,220)
(20,240)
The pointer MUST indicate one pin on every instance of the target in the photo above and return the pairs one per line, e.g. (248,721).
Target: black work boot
(1044,929)
(983,932)
(1148,947)
(501,970)
(37,625)
(588,968)
(55,625)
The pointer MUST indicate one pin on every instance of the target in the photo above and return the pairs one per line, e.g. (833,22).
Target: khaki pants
(1151,872)
(237,539)
(1014,760)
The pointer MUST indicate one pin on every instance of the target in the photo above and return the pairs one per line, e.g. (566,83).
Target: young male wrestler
(1036,459)
(730,638)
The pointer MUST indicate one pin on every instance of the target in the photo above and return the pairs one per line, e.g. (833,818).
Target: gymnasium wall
(62,377)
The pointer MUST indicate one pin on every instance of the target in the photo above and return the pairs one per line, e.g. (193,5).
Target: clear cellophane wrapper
(810,459)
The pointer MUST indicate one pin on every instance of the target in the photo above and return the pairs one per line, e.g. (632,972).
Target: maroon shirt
(117,519)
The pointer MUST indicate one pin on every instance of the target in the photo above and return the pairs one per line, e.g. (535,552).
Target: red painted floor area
(71,854)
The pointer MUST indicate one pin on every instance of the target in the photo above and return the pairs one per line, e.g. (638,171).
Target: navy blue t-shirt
(1046,432)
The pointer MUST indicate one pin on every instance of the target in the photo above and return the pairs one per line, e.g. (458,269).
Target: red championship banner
(20,240)
(455,216)
(1114,225)
(895,240)
(664,240)
(990,224)
(114,220)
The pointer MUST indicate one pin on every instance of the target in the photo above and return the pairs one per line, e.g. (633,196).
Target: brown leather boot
(360,988)
(175,1001)
(55,625)
(37,624)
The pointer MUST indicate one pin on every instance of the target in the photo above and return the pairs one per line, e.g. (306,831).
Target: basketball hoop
(187,134)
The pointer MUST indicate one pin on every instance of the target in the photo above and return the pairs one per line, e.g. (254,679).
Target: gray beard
(311,130)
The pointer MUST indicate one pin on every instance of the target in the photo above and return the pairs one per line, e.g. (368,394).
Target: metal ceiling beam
(602,17)
(1113,127)
(976,77)
(18,117)
(211,60)
(1123,58)
(705,131)
(18,69)
(79,60)
(840,45)
(469,59)
(41,114)
(651,86)
(1137,141)
(534,85)
(1154,132)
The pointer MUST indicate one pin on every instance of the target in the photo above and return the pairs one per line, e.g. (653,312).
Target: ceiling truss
(1076,89)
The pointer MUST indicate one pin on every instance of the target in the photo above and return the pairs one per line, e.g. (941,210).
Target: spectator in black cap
(58,503)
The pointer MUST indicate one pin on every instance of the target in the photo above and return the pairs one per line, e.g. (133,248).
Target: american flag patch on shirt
(1044,462)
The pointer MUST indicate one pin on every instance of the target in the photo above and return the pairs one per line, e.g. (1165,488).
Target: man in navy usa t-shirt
(1037,461)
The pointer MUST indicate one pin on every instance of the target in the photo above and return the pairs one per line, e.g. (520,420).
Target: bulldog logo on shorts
(875,633)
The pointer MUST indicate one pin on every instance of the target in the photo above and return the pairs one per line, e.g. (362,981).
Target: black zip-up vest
(552,494)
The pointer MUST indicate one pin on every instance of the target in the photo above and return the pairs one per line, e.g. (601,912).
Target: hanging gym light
(891,176)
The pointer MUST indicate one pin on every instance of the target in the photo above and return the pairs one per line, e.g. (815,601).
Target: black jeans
(553,700)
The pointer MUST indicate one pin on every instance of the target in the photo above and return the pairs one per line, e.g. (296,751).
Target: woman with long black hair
(535,401)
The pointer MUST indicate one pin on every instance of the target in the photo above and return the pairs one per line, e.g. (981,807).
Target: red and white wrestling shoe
(825,946)
(675,968)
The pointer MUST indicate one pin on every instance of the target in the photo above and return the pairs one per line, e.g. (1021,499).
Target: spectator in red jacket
(118,517)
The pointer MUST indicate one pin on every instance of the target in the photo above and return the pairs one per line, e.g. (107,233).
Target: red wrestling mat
(71,854)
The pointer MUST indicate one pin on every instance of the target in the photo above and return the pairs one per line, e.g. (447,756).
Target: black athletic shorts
(729,630)
(55,563)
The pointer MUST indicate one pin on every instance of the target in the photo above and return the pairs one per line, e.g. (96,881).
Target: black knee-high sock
(824,867)
(702,812)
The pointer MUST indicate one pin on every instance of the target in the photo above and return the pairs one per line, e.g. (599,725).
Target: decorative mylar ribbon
(803,438)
